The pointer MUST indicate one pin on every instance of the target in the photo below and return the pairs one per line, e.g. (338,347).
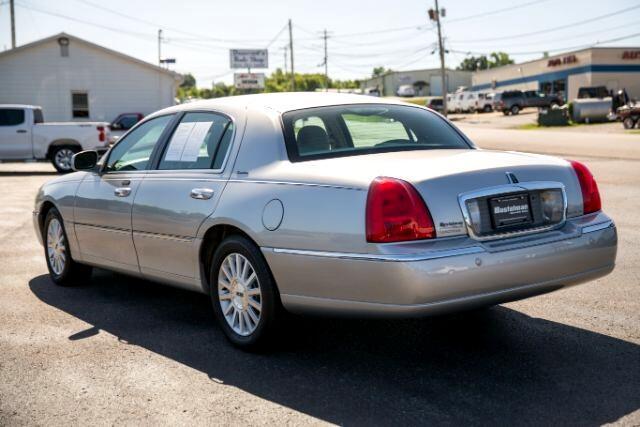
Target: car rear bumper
(437,281)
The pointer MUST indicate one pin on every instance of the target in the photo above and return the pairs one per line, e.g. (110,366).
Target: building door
(15,134)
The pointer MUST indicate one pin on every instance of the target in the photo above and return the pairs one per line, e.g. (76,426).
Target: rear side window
(198,142)
(349,130)
(11,116)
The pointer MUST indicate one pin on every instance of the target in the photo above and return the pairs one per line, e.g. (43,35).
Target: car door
(104,199)
(15,134)
(174,199)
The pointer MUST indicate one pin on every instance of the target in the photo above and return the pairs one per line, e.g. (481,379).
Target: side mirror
(84,160)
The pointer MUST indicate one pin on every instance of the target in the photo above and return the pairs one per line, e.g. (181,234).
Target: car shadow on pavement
(493,366)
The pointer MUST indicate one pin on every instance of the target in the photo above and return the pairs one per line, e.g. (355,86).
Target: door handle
(122,191)
(21,131)
(201,193)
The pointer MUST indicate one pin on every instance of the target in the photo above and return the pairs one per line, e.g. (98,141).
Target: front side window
(200,141)
(11,116)
(349,130)
(133,152)
(79,105)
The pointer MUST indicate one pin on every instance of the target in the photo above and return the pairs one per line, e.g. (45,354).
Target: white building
(613,67)
(425,82)
(73,79)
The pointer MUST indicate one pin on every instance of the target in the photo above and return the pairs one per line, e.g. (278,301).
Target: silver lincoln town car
(323,203)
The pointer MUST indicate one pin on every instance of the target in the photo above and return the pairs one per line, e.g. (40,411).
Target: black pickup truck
(512,101)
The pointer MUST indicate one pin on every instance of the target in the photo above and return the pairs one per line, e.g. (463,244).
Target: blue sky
(363,34)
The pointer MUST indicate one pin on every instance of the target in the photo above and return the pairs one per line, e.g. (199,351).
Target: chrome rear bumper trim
(382,257)
(597,227)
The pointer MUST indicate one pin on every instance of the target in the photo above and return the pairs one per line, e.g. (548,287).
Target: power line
(549,30)
(495,11)
(144,36)
(562,49)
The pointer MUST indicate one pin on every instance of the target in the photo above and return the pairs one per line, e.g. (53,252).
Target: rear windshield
(349,130)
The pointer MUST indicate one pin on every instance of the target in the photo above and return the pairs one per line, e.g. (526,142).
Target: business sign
(631,54)
(248,80)
(249,58)
(570,59)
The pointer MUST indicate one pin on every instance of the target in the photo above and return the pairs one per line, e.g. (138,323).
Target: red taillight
(101,135)
(590,194)
(396,212)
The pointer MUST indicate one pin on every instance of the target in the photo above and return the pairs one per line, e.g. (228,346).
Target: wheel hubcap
(63,158)
(56,247)
(239,294)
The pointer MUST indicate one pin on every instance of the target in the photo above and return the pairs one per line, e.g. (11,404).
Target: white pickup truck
(25,136)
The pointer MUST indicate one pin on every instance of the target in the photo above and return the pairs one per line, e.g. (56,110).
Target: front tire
(245,300)
(61,158)
(63,270)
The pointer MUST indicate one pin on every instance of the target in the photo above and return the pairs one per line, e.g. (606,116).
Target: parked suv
(512,101)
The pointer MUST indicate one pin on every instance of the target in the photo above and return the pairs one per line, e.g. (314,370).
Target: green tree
(378,71)
(482,62)
(498,59)
(189,81)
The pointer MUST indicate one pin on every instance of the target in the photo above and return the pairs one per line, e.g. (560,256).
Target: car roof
(282,101)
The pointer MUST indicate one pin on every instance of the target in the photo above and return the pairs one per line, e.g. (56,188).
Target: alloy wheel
(56,247)
(239,294)
(63,158)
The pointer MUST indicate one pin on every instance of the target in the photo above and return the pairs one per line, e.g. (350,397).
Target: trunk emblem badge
(511,178)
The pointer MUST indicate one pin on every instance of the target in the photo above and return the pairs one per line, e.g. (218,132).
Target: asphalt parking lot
(127,351)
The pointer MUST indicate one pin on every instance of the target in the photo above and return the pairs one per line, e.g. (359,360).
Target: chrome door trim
(381,257)
(506,189)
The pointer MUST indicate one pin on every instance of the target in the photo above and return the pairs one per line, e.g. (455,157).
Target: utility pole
(326,64)
(293,73)
(13,24)
(435,15)
(159,48)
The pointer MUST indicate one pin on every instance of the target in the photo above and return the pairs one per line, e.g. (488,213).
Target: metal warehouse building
(425,82)
(73,79)
(615,68)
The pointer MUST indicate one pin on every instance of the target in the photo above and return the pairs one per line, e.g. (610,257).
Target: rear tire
(487,108)
(245,299)
(64,271)
(61,158)
(515,109)
(628,123)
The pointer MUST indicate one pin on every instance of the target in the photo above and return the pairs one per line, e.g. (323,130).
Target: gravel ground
(128,351)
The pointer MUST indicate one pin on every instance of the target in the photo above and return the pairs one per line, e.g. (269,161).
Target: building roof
(93,45)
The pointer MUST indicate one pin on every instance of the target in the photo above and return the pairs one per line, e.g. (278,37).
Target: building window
(79,105)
